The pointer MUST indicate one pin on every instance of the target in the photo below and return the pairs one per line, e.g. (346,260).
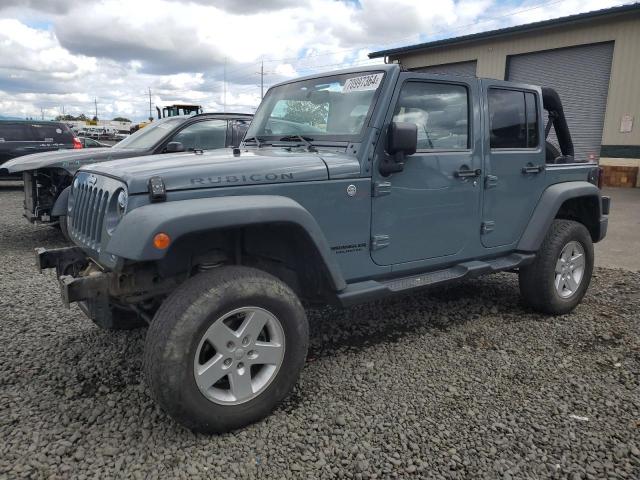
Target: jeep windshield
(150,135)
(335,107)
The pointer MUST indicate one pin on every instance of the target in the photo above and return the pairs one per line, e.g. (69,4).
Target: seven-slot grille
(89,210)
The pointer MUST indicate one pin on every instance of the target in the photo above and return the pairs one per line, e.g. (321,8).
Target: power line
(297,60)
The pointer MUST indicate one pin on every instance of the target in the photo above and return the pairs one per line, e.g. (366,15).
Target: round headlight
(76,182)
(123,200)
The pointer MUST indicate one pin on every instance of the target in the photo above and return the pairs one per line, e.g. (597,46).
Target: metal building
(591,59)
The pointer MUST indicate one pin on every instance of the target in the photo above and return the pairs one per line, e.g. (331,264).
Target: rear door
(515,161)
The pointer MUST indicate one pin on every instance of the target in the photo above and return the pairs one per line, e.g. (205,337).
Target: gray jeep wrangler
(348,187)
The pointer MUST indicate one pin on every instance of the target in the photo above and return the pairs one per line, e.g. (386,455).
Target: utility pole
(262,73)
(95,102)
(150,110)
(42,113)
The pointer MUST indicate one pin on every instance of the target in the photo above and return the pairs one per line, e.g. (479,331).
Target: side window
(15,132)
(513,118)
(441,112)
(206,135)
(51,133)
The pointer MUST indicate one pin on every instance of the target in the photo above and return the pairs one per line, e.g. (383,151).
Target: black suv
(24,137)
(46,175)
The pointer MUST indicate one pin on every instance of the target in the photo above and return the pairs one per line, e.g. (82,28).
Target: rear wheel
(559,276)
(225,348)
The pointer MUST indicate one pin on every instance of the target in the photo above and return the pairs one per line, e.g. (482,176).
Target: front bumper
(78,281)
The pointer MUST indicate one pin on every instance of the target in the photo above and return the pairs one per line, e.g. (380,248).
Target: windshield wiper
(253,139)
(306,140)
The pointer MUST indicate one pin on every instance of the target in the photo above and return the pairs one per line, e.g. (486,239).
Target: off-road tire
(175,332)
(537,279)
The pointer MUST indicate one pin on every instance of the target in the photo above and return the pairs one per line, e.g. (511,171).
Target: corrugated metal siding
(580,75)
(466,69)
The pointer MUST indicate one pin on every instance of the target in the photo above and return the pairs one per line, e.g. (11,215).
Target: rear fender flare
(133,237)
(547,209)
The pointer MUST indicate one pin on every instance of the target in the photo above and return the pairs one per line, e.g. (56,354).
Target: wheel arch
(579,201)
(274,229)
(60,205)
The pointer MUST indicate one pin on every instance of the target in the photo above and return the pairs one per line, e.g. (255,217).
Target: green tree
(121,119)
(301,111)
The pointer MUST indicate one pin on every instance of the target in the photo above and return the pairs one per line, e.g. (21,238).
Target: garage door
(581,76)
(467,69)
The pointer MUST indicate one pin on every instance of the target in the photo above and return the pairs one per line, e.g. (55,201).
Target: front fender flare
(60,207)
(133,237)
(547,209)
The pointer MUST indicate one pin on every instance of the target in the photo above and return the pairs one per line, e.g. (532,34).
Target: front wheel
(559,276)
(225,348)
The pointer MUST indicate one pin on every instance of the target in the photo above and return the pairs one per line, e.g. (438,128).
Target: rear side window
(15,132)
(439,110)
(54,133)
(513,119)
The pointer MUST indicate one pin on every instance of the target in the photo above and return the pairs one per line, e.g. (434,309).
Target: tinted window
(15,132)
(150,135)
(439,110)
(51,133)
(514,119)
(206,135)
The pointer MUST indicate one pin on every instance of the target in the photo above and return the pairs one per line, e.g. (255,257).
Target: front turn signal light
(161,241)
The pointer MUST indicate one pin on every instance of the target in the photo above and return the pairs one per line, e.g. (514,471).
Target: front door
(430,210)
(515,159)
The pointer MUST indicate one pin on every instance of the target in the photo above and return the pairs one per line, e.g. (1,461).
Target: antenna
(150,111)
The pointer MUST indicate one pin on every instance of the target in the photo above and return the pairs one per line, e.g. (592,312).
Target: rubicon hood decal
(216,168)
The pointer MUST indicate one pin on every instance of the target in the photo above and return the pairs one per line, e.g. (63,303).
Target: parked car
(26,137)
(47,175)
(91,143)
(408,180)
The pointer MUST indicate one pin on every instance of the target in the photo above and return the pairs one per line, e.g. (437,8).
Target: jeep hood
(220,168)
(69,160)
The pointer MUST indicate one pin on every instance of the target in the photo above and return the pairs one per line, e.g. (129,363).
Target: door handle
(467,172)
(530,168)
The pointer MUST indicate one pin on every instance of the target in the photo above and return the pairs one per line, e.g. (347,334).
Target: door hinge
(380,241)
(488,226)
(381,188)
(490,181)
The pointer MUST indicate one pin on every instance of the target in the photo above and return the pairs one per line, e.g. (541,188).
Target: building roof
(502,32)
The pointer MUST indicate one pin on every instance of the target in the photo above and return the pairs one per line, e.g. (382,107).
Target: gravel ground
(459,382)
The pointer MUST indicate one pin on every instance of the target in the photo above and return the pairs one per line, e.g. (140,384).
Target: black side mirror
(173,147)
(402,140)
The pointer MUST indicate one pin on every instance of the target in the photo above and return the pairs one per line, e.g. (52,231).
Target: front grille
(91,196)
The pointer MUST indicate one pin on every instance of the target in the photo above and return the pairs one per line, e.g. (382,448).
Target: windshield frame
(319,138)
(176,121)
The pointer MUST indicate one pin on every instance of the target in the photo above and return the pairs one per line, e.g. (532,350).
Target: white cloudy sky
(56,53)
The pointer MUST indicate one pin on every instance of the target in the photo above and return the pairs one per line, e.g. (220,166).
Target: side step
(371,289)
